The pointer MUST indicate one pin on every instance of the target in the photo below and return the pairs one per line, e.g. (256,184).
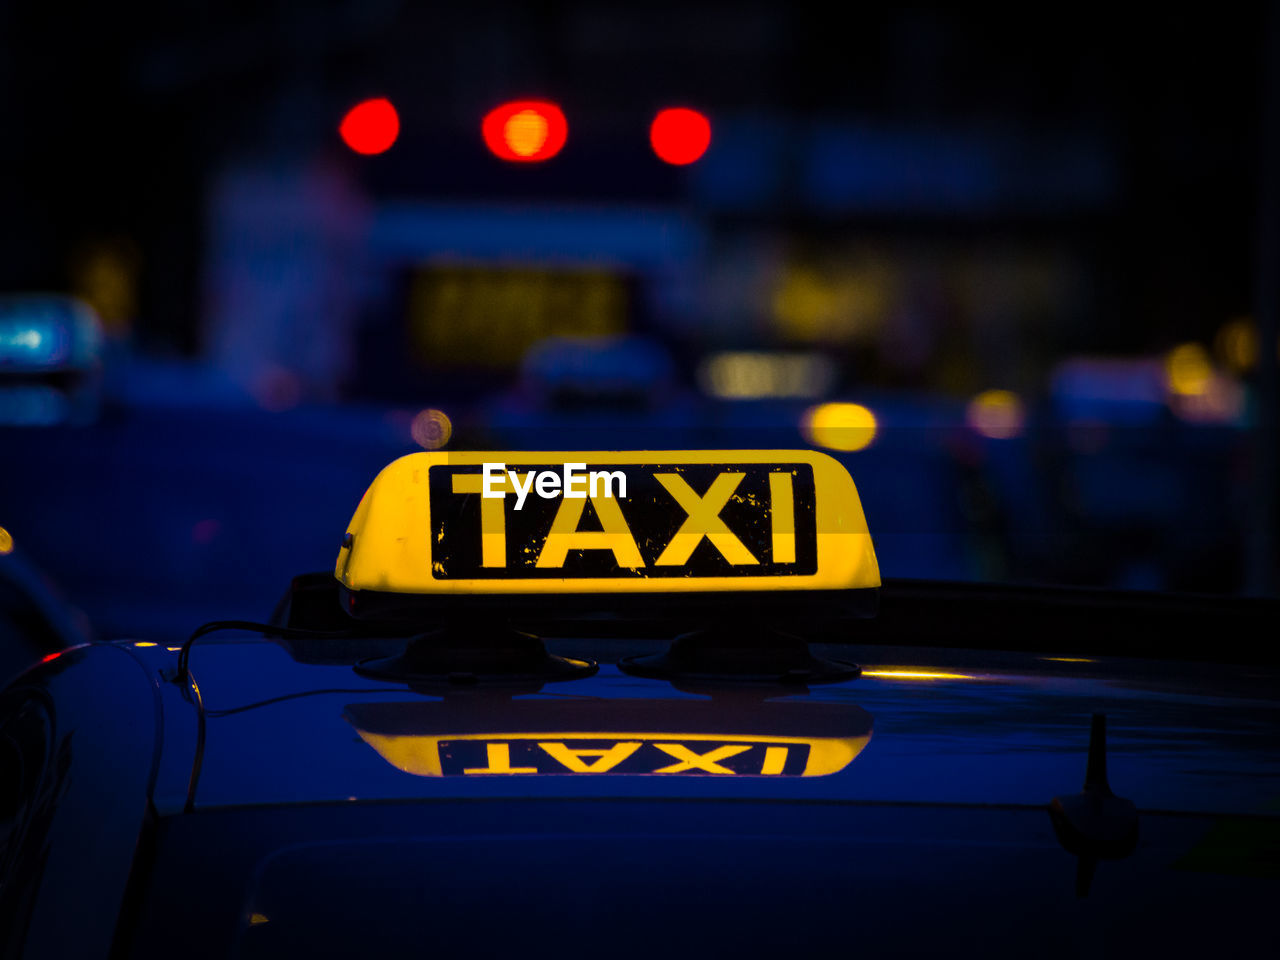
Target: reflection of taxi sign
(690,737)
(636,522)
(616,754)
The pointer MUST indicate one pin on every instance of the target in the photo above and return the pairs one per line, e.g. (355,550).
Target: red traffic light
(525,131)
(370,127)
(679,135)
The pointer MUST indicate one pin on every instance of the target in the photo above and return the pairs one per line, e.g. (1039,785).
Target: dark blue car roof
(944,727)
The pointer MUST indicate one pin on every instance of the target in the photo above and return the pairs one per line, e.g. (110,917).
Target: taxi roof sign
(580,523)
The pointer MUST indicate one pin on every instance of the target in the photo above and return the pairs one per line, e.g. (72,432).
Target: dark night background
(903,207)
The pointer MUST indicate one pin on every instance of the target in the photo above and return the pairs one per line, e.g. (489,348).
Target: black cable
(197,761)
(269,629)
(191,691)
(381,688)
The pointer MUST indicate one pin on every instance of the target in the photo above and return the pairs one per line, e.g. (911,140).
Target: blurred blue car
(50,361)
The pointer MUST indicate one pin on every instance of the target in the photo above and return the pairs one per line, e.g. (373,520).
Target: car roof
(943,727)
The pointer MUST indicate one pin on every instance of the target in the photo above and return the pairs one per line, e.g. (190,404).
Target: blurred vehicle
(628,371)
(36,621)
(1127,485)
(50,361)
(596,392)
(401,768)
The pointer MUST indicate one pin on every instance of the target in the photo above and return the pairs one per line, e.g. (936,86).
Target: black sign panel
(748,544)
(664,756)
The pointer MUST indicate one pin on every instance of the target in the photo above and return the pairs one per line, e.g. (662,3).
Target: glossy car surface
(295,813)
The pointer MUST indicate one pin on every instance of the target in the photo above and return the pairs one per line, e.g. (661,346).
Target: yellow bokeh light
(841,304)
(431,429)
(839,426)
(107,278)
(6,541)
(525,132)
(751,374)
(1188,370)
(1237,344)
(804,303)
(997,414)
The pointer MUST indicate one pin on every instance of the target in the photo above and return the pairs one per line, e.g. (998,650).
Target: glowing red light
(679,135)
(370,127)
(50,656)
(525,131)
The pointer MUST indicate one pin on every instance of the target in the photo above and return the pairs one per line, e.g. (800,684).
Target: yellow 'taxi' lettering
(782,511)
(493,519)
(775,760)
(703,520)
(604,760)
(566,536)
(706,762)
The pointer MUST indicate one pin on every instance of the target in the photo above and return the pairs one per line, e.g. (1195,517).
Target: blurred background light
(804,302)
(6,541)
(839,426)
(998,414)
(755,374)
(491,316)
(105,275)
(525,131)
(1237,344)
(370,127)
(825,302)
(1222,401)
(1188,370)
(431,429)
(29,339)
(680,136)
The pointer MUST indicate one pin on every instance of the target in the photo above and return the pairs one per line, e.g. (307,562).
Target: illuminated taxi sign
(634,522)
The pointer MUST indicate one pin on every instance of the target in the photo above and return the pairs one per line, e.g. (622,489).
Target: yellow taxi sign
(609,522)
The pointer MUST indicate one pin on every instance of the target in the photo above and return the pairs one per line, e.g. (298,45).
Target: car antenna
(1095,824)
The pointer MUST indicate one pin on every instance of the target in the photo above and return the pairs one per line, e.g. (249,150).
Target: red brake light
(370,127)
(679,135)
(525,131)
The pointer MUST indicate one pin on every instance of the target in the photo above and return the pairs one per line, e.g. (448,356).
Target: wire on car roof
(267,629)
